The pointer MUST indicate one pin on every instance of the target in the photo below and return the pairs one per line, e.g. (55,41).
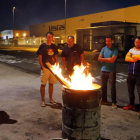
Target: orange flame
(79,80)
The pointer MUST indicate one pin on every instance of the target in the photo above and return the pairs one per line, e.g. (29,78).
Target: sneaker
(114,106)
(129,107)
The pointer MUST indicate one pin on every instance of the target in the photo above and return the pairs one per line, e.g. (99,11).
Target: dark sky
(29,12)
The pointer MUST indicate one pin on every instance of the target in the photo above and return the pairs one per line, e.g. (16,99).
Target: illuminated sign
(57,27)
(8,32)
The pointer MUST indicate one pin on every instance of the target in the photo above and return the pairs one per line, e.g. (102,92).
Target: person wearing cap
(47,52)
(133,56)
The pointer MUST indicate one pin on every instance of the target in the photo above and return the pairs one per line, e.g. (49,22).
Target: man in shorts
(47,52)
(72,55)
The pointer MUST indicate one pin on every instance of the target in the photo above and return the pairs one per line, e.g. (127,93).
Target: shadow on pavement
(57,106)
(120,106)
(104,139)
(5,118)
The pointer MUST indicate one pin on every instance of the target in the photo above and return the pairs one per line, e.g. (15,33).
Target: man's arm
(40,61)
(128,58)
(136,56)
(108,60)
(101,59)
(82,58)
(64,62)
(56,59)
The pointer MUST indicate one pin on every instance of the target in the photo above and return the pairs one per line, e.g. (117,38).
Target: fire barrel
(81,114)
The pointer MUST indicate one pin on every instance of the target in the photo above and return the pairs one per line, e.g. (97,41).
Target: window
(86,42)
(98,39)
(118,38)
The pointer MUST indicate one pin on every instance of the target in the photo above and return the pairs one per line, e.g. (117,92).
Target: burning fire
(79,80)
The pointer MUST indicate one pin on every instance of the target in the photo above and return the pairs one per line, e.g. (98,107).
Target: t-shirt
(108,53)
(48,53)
(72,56)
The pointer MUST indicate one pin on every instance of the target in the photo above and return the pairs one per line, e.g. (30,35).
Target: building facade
(81,26)
(7,34)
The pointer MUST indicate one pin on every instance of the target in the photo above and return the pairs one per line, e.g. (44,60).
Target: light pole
(13,22)
(65,20)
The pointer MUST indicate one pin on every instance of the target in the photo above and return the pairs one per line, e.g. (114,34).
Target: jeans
(133,80)
(111,76)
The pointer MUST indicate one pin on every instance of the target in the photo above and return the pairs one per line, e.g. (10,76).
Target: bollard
(81,114)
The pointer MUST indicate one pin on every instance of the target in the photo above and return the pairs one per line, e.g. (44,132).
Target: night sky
(30,12)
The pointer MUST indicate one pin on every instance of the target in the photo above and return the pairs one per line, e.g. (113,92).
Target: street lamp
(13,22)
(24,35)
(65,19)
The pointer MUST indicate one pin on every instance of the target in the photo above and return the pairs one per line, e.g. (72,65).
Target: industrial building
(7,34)
(90,30)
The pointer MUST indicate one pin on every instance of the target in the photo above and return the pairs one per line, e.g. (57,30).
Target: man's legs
(52,80)
(104,78)
(112,82)
(131,86)
(138,86)
(42,91)
(44,78)
(50,91)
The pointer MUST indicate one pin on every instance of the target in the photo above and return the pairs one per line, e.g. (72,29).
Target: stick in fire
(60,79)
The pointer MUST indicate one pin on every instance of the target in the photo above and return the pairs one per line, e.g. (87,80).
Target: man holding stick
(47,52)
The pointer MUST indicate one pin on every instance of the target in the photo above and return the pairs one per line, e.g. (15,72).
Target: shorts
(47,76)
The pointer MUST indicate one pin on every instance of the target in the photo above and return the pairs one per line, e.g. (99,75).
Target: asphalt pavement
(22,117)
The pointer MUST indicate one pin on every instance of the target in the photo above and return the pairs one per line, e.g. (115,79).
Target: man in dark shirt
(47,52)
(72,55)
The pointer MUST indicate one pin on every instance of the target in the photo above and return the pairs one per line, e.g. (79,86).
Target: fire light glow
(79,80)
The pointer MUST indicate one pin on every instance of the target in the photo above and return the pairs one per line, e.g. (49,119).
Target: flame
(79,80)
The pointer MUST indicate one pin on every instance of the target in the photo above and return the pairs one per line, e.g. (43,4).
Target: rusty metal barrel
(81,114)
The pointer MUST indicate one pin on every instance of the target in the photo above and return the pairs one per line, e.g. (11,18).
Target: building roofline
(109,26)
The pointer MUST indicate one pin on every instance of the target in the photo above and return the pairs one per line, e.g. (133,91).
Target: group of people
(73,54)
(108,56)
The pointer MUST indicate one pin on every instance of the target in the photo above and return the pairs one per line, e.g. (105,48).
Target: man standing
(47,52)
(133,56)
(72,55)
(108,56)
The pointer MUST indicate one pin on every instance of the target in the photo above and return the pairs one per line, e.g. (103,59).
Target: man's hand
(134,60)
(57,63)
(65,69)
(87,64)
(134,57)
(109,60)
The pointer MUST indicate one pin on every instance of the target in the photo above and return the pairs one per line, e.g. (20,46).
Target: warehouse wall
(129,14)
